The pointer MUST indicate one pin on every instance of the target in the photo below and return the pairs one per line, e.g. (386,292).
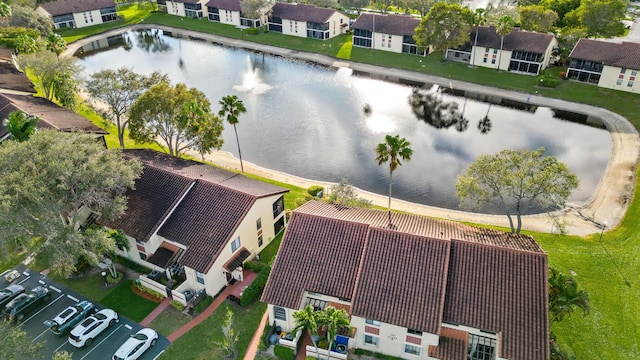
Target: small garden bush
(315,190)
(254,291)
(375,354)
(283,352)
(111,280)
(152,292)
(252,31)
(203,304)
(177,305)
(255,266)
(548,81)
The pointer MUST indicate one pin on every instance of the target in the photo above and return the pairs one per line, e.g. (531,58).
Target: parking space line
(41,282)
(25,279)
(42,333)
(103,340)
(58,348)
(41,310)
(26,273)
(72,298)
(55,289)
(157,356)
(128,326)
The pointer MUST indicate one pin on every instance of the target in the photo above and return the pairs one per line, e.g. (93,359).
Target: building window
(371,340)
(278,207)
(481,348)
(279,313)
(259,224)
(200,277)
(495,51)
(372,322)
(493,61)
(259,240)
(623,70)
(414,332)
(630,84)
(143,256)
(411,349)
(619,82)
(235,244)
(634,72)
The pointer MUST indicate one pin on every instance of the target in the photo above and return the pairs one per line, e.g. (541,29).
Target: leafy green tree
(229,337)
(25,44)
(479,19)
(505,24)
(119,89)
(322,3)
(251,8)
(308,320)
(20,125)
(65,87)
(48,69)
(49,184)
(232,107)
(17,345)
(383,5)
(561,7)
(603,18)
(62,355)
(565,296)
(55,43)
(392,150)
(166,112)
(26,17)
(515,180)
(537,18)
(343,193)
(5,9)
(334,319)
(445,26)
(421,6)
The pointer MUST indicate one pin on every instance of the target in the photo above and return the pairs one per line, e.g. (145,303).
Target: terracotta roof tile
(161,257)
(623,55)
(13,79)
(387,24)
(62,7)
(302,12)
(452,345)
(517,39)
(237,259)
(231,5)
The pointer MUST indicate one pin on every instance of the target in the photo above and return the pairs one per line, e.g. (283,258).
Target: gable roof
(623,55)
(387,24)
(62,7)
(231,5)
(302,12)
(13,79)
(517,39)
(52,116)
(440,272)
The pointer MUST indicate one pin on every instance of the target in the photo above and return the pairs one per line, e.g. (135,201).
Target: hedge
(283,352)
(254,291)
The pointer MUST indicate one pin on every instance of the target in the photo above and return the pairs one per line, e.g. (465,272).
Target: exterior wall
(475,331)
(392,339)
(478,52)
(547,54)
(229,17)
(295,28)
(382,41)
(175,8)
(335,22)
(611,75)
(286,325)
(87,18)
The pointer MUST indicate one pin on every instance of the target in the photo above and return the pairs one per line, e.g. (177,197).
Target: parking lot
(103,346)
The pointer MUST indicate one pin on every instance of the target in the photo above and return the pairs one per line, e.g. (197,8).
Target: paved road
(103,347)
(607,205)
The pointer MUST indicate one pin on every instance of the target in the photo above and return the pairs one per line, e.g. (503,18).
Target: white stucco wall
(335,22)
(229,17)
(175,8)
(87,18)
(611,74)
(478,53)
(391,339)
(379,44)
(295,28)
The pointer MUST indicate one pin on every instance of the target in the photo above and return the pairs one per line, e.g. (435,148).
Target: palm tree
(505,24)
(20,125)
(392,150)
(5,9)
(564,295)
(479,19)
(307,319)
(232,107)
(56,44)
(334,319)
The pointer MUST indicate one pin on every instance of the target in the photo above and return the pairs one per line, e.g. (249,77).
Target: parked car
(11,275)
(136,345)
(84,333)
(25,303)
(10,292)
(69,317)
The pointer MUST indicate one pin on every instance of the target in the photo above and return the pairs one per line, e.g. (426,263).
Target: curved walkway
(607,205)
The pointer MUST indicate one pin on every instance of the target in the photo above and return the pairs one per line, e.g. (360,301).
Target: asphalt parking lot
(103,346)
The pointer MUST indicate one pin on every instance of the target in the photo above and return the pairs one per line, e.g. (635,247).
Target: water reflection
(151,41)
(104,44)
(429,106)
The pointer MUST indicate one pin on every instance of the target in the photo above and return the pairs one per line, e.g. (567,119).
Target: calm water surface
(309,121)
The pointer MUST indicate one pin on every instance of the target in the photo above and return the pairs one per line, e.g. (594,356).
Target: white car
(136,345)
(84,333)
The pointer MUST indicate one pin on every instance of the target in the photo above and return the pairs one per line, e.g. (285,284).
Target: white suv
(84,333)
(136,345)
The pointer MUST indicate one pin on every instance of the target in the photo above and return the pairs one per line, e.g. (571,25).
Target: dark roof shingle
(623,55)
(517,39)
(302,12)
(231,5)
(387,24)
(62,7)
(237,259)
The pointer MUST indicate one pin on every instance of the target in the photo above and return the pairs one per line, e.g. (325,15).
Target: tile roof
(452,345)
(440,272)
(317,254)
(13,79)
(197,170)
(62,7)
(156,192)
(237,259)
(623,55)
(302,12)
(231,5)
(517,39)
(53,116)
(186,1)
(204,221)
(387,24)
(161,257)
(409,286)
(503,291)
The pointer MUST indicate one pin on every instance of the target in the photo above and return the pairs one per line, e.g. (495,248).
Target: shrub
(154,293)
(112,280)
(254,291)
(547,81)
(315,190)
(563,74)
(283,352)
(255,266)
(203,304)
(8,35)
(253,31)
(177,305)
(323,344)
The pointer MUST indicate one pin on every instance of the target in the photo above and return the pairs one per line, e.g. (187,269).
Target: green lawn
(208,333)
(169,321)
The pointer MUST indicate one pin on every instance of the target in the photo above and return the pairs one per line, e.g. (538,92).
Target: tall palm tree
(20,125)
(479,19)
(307,319)
(392,150)
(55,43)
(232,107)
(564,295)
(334,319)
(505,24)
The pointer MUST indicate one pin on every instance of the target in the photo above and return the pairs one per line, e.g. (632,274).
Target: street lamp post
(604,226)
(104,277)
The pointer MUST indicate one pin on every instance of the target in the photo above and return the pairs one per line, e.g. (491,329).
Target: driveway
(103,347)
